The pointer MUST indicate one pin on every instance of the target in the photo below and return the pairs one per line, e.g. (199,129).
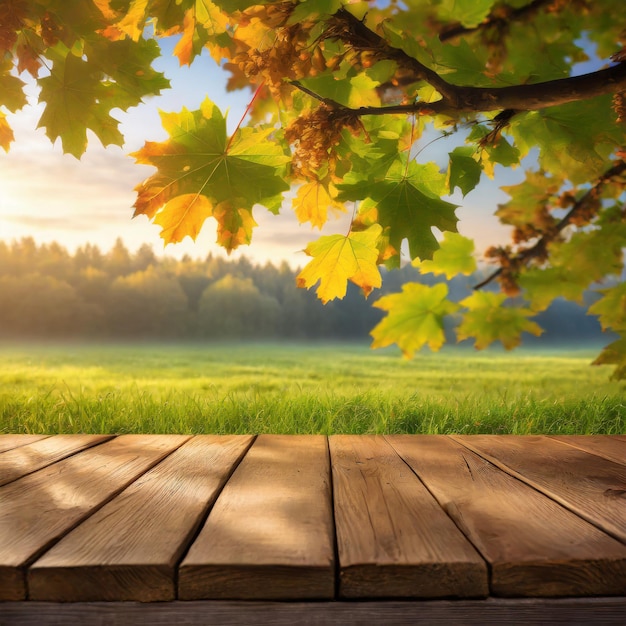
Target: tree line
(46,292)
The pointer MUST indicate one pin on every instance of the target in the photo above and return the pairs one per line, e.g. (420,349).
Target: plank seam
(542,490)
(42,550)
(62,458)
(588,450)
(202,518)
(445,510)
(331,483)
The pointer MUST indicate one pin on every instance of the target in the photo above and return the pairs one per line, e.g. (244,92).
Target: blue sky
(54,197)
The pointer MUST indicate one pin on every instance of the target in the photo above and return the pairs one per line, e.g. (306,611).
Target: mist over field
(47,293)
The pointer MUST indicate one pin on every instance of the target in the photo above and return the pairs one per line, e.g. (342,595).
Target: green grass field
(303,388)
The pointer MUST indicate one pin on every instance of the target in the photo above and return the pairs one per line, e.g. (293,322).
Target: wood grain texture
(534,546)
(393,539)
(8,442)
(492,611)
(41,507)
(129,549)
(270,533)
(589,485)
(29,458)
(607,446)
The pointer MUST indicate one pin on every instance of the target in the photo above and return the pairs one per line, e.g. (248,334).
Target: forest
(46,292)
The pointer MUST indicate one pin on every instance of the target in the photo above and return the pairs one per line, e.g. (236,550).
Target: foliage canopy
(344,95)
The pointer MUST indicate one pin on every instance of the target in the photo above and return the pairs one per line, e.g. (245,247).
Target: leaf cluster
(344,98)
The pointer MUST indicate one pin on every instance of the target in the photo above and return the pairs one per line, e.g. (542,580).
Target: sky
(50,196)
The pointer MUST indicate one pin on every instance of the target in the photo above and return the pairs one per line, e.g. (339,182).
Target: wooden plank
(129,549)
(8,442)
(534,546)
(592,487)
(607,446)
(27,459)
(270,533)
(492,611)
(393,539)
(40,508)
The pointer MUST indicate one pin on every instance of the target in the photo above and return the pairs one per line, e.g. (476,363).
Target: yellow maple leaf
(313,200)
(183,216)
(337,259)
(6,133)
(203,15)
(234,225)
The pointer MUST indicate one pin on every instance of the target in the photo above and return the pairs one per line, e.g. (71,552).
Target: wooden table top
(148,518)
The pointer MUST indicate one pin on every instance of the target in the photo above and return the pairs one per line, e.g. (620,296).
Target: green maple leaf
(11,88)
(201,173)
(574,139)
(614,354)
(128,64)
(408,204)
(611,308)
(455,256)
(526,197)
(464,170)
(338,258)
(487,320)
(415,318)
(73,94)
(542,286)
(469,13)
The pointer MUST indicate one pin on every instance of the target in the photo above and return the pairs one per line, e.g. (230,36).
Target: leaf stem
(243,117)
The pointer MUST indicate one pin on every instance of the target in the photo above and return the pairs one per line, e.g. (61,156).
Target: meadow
(303,388)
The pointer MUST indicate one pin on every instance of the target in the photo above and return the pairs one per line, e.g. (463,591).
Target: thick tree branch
(465,99)
(538,249)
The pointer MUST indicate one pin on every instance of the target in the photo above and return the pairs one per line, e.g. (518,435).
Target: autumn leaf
(488,320)
(464,171)
(614,354)
(414,319)
(313,200)
(611,308)
(203,21)
(199,170)
(72,94)
(6,133)
(455,256)
(337,259)
(408,204)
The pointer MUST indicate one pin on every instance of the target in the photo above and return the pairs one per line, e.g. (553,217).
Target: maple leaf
(611,308)
(408,204)
(11,87)
(414,318)
(73,94)
(464,171)
(6,132)
(202,173)
(337,259)
(614,354)
(203,21)
(313,200)
(488,320)
(455,256)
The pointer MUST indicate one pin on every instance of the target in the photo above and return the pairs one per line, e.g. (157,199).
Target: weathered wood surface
(526,538)
(8,442)
(393,539)
(492,611)
(294,518)
(589,485)
(40,508)
(270,534)
(612,448)
(129,549)
(29,458)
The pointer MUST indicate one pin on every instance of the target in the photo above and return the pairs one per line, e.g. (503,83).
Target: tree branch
(465,99)
(523,257)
